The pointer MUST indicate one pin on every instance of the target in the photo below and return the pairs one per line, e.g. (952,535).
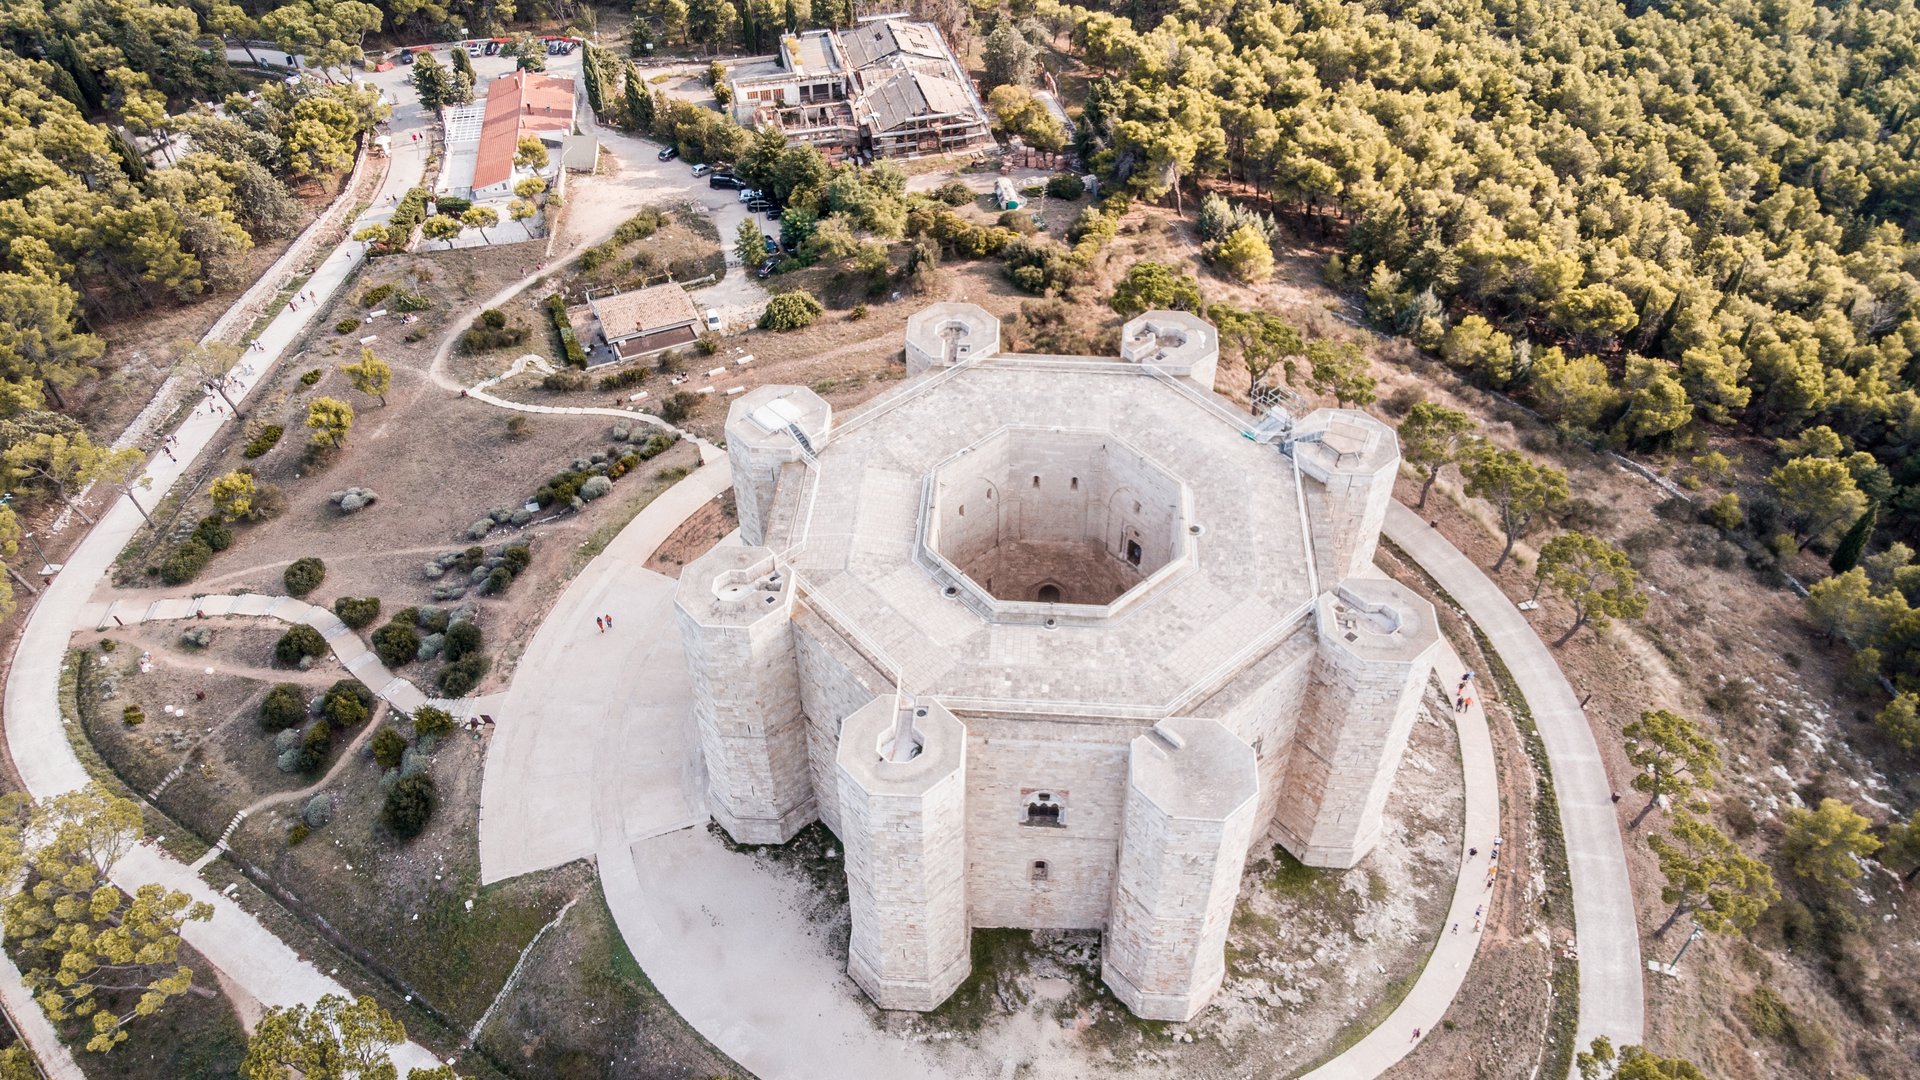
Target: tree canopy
(91,954)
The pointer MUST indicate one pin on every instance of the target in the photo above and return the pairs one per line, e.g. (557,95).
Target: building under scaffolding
(886,88)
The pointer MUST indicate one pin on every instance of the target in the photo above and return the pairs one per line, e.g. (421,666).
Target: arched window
(1038,871)
(1043,809)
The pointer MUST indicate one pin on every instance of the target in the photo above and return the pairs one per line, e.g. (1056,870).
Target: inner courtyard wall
(1019,507)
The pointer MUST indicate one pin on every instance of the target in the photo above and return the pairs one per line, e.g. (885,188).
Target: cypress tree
(1846,555)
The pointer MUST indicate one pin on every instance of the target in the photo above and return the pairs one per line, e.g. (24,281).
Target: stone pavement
(595,741)
(1612,998)
(236,943)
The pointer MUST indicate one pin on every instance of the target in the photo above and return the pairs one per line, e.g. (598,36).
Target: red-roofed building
(521,104)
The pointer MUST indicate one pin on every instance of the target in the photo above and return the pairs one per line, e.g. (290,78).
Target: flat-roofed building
(643,321)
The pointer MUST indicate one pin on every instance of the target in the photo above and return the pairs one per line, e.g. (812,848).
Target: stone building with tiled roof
(644,321)
(885,88)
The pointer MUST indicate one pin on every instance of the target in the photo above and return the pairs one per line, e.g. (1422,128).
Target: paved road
(1612,995)
(233,941)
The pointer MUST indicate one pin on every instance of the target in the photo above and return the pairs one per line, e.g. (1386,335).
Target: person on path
(1455,930)
(598,623)
(1472,851)
(1416,1035)
(609,619)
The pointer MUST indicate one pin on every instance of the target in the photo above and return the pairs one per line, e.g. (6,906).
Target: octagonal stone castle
(1053,642)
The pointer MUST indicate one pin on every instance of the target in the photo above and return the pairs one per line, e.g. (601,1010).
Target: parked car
(772,245)
(724,180)
(702,169)
(406,56)
(748,195)
(766,268)
(668,154)
(713,320)
(773,213)
(473,49)
(493,48)
(755,206)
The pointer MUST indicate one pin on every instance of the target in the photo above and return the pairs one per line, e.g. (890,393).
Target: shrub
(347,325)
(214,533)
(677,407)
(570,349)
(516,558)
(595,487)
(462,638)
(387,746)
(347,703)
(498,580)
(284,706)
(299,831)
(264,441)
(955,193)
(357,611)
(459,678)
(396,643)
(490,331)
(563,381)
(1018,220)
(620,380)
(790,311)
(409,806)
(311,377)
(409,302)
(133,715)
(304,576)
(297,644)
(376,293)
(318,811)
(185,561)
(516,427)
(451,205)
(1066,186)
(313,747)
(428,720)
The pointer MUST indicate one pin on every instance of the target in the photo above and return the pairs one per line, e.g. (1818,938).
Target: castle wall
(1262,707)
(1009,764)
(1365,697)
(1188,821)
(835,682)
(1015,512)
(735,624)
(903,826)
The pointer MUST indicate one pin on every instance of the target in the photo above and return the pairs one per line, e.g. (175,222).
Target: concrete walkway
(233,941)
(595,743)
(1433,992)
(1612,997)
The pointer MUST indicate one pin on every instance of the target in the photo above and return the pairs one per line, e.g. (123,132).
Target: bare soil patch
(696,536)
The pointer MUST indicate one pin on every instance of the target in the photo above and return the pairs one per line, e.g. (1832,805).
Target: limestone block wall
(939,335)
(759,445)
(1262,706)
(734,613)
(835,682)
(1377,643)
(1022,496)
(1353,459)
(1189,818)
(903,799)
(1082,767)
